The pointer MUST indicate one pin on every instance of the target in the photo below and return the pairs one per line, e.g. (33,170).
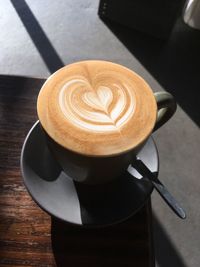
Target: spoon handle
(162,190)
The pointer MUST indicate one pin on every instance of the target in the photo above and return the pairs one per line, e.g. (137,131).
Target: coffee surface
(97,108)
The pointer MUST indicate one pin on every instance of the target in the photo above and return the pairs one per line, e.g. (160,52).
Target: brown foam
(97,108)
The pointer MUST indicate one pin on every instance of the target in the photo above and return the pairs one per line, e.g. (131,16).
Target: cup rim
(103,155)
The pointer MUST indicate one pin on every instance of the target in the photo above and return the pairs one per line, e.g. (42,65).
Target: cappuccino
(97,108)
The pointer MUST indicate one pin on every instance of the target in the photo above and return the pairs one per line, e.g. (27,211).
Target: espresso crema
(97,108)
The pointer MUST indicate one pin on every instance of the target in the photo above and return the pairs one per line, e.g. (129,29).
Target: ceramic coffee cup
(97,115)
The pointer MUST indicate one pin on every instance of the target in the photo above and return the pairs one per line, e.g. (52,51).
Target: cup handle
(166,108)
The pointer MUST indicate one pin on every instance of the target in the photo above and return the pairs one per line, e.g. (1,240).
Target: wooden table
(30,237)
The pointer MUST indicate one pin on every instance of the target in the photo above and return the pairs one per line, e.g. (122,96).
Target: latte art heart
(96,108)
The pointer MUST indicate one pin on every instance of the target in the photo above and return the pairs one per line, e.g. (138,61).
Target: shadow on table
(174,63)
(123,244)
(111,246)
(38,36)
(165,252)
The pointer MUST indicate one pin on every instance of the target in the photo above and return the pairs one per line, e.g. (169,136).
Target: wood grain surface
(30,237)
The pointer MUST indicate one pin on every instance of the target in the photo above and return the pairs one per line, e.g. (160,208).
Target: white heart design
(101,99)
(94,112)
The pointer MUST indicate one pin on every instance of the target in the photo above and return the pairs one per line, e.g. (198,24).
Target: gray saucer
(80,204)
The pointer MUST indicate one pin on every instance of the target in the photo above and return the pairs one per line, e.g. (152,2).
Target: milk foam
(98,108)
